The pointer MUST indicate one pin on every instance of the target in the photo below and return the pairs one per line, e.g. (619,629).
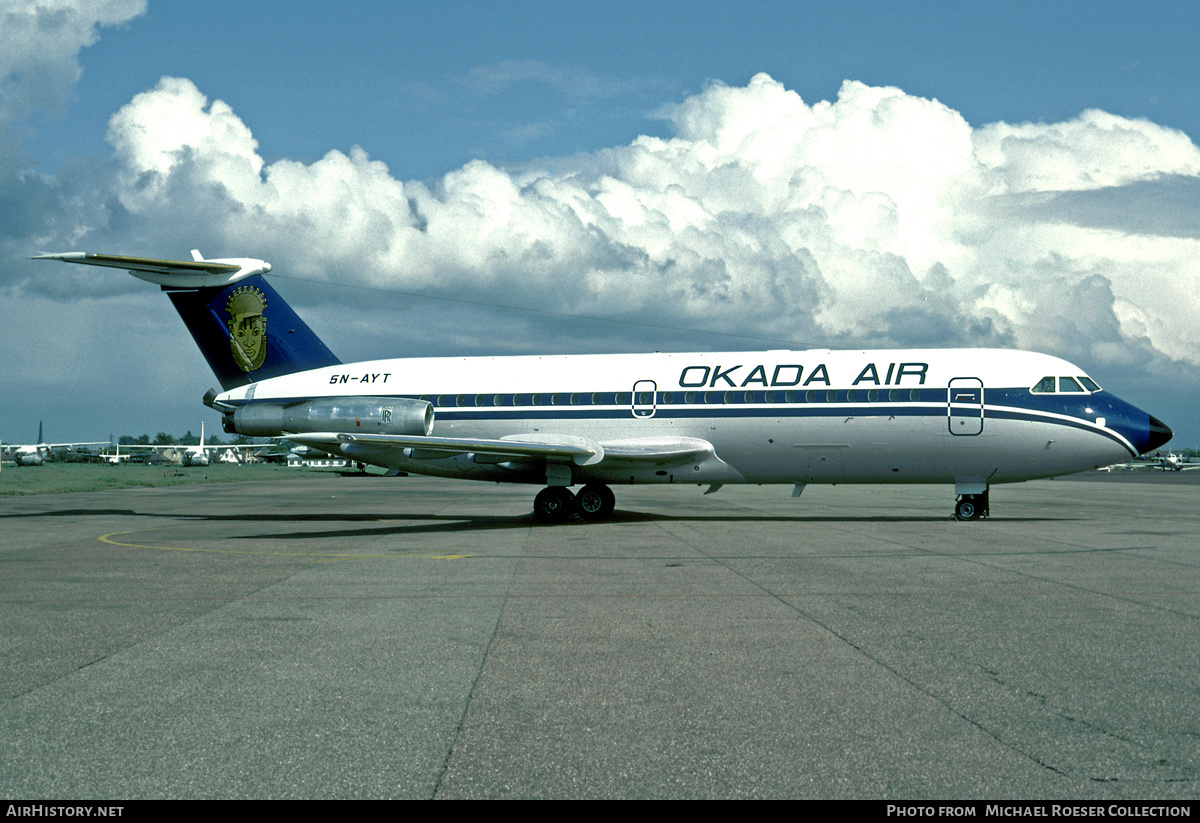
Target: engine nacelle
(351,415)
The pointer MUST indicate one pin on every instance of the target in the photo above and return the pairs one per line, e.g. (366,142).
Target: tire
(595,501)
(553,505)
(967,509)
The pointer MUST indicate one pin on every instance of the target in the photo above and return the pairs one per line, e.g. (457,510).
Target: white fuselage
(31,455)
(819,416)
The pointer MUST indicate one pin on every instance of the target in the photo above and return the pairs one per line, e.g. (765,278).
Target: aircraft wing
(551,447)
(561,447)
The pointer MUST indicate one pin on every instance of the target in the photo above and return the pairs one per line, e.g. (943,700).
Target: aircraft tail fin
(243,327)
(248,333)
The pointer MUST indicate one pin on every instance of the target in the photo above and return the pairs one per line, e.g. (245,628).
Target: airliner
(971,417)
(36,454)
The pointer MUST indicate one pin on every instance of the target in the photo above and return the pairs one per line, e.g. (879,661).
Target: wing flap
(561,448)
(643,451)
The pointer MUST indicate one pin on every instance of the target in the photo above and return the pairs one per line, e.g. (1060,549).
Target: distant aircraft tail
(243,327)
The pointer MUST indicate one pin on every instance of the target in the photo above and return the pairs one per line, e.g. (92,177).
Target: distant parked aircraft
(35,454)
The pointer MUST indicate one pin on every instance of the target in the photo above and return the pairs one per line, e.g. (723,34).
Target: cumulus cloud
(39,43)
(878,218)
(874,219)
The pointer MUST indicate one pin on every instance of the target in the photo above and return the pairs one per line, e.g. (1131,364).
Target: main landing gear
(971,506)
(555,504)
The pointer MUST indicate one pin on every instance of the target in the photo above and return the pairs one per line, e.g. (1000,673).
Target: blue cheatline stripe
(1017,404)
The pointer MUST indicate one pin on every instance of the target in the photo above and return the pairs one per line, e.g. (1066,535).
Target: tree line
(189,439)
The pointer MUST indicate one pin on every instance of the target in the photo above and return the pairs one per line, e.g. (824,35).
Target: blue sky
(504,130)
(397,78)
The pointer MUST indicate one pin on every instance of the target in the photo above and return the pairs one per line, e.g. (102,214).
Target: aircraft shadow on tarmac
(423,522)
(420,523)
(76,513)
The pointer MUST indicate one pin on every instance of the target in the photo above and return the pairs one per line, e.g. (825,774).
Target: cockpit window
(1068,385)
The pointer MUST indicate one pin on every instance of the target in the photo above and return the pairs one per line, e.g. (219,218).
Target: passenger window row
(675,398)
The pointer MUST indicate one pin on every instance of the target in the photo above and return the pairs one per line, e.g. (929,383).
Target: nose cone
(1157,435)
(1142,432)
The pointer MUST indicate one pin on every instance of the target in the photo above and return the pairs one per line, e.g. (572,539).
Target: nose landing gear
(971,506)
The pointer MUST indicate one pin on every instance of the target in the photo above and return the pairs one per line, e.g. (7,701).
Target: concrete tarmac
(419,638)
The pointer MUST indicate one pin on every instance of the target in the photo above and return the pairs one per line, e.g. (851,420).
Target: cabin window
(851,395)
(689,397)
(1044,386)
(914,395)
(789,397)
(667,396)
(831,396)
(873,395)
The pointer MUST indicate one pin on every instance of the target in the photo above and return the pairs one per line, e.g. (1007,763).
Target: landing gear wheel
(596,501)
(966,509)
(972,506)
(553,505)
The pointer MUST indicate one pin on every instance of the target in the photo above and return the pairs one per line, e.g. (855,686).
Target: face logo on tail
(247,327)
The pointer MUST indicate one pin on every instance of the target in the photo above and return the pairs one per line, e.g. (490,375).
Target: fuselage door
(965,408)
(643,398)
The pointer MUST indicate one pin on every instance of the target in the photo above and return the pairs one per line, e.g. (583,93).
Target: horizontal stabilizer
(187,274)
